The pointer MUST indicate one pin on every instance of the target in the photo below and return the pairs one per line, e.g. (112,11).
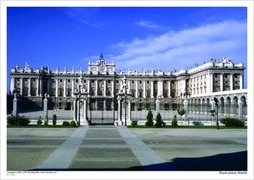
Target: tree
(158,120)
(174,121)
(149,118)
(181,112)
(54,119)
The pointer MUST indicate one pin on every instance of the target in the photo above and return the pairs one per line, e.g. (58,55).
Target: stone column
(136,95)
(45,107)
(157,102)
(208,83)
(37,87)
(56,87)
(144,89)
(21,86)
(185,107)
(129,112)
(240,109)
(72,87)
(169,89)
(15,105)
(241,81)
(75,110)
(105,88)
(64,90)
(96,87)
(29,86)
(12,85)
(231,82)
(221,82)
(211,83)
(41,87)
(113,88)
(119,112)
(152,89)
(85,111)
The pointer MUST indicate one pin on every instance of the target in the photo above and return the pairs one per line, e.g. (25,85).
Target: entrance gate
(101,111)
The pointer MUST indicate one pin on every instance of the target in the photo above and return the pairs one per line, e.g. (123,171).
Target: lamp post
(186,95)
(217,106)
(124,79)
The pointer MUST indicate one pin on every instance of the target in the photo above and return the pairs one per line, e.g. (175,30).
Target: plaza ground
(107,148)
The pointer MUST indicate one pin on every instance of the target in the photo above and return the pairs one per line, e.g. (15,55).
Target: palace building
(102,84)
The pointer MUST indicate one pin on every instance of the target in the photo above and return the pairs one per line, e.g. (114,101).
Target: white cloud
(185,48)
(148,24)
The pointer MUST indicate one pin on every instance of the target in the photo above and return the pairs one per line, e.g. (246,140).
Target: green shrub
(39,121)
(134,123)
(54,119)
(174,121)
(73,124)
(149,118)
(232,122)
(46,122)
(181,112)
(197,123)
(158,120)
(18,120)
(66,123)
(212,112)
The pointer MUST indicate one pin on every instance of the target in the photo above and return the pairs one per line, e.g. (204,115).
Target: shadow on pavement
(222,162)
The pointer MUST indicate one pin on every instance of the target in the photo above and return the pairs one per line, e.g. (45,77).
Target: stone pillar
(185,107)
(136,95)
(208,83)
(64,88)
(12,85)
(105,88)
(144,89)
(241,81)
(21,86)
(72,87)
(221,82)
(85,111)
(75,110)
(169,89)
(129,112)
(41,87)
(152,89)
(15,105)
(45,107)
(37,87)
(231,82)
(157,105)
(119,112)
(113,88)
(56,87)
(240,109)
(96,87)
(29,86)
(211,83)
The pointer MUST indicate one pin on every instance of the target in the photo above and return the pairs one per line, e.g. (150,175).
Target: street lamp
(217,106)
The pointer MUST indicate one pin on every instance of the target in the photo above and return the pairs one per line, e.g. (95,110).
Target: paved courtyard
(119,148)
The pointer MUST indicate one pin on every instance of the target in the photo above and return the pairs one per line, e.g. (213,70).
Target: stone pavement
(119,148)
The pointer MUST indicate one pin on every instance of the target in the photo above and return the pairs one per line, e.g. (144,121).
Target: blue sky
(165,38)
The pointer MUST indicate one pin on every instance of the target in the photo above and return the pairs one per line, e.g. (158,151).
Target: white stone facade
(103,83)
